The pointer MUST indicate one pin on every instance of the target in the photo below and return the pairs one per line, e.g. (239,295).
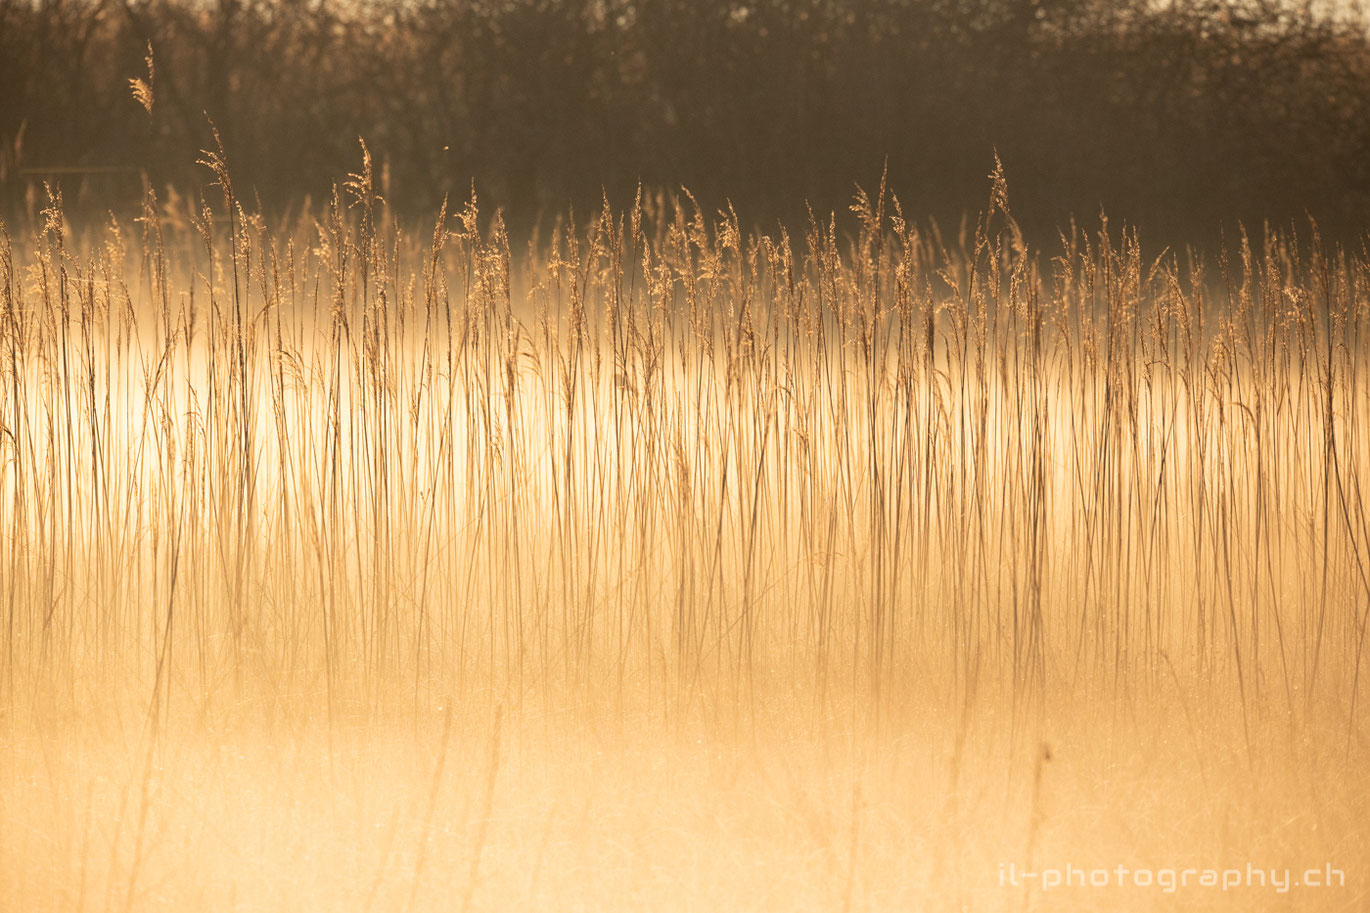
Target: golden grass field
(664,566)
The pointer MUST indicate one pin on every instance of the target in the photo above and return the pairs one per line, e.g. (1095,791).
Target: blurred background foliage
(1176,117)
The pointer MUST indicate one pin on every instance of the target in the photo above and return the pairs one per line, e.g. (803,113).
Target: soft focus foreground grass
(663,567)
(602,811)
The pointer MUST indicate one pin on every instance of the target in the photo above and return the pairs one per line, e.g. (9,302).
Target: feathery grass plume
(142,89)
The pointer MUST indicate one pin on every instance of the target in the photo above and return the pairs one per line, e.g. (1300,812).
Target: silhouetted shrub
(1176,118)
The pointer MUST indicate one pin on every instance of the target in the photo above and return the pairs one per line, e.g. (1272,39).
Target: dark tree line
(1174,116)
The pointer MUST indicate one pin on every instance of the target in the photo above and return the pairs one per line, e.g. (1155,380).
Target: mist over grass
(472,518)
(662,560)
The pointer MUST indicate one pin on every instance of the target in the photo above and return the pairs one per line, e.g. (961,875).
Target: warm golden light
(673,567)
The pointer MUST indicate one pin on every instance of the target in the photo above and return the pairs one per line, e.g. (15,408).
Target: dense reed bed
(866,482)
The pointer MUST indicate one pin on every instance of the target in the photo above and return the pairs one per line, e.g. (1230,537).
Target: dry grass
(665,566)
